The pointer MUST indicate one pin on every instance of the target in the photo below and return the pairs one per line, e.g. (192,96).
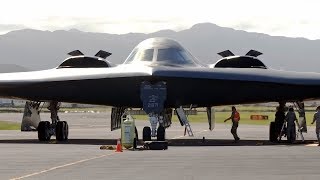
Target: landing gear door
(116,113)
(211,117)
(167,117)
(31,116)
(153,96)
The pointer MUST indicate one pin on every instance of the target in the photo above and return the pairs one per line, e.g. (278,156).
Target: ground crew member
(316,118)
(302,117)
(279,119)
(291,126)
(235,117)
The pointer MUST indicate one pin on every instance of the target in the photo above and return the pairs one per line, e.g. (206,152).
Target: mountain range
(31,49)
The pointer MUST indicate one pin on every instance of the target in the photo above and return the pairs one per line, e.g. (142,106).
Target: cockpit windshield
(174,55)
(161,51)
(141,55)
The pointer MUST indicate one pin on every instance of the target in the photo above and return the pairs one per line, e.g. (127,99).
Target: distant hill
(36,49)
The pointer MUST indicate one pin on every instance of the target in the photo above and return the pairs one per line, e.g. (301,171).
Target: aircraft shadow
(228,142)
(171,142)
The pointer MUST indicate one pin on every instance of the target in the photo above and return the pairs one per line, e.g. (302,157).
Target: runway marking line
(311,145)
(178,137)
(61,166)
(78,162)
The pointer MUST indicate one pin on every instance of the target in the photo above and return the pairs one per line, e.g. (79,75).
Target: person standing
(316,118)
(235,117)
(291,126)
(302,117)
(279,119)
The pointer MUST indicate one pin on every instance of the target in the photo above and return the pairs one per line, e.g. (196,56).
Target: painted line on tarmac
(61,166)
(178,137)
(311,145)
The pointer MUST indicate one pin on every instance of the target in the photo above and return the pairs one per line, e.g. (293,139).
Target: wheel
(146,133)
(66,135)
(59,130)
(135,143)
(43,131)
(272,132)
(65,130)
(62,131)
(136,132)
(161,132)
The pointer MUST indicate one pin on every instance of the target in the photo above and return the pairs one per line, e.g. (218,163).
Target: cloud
(245,26)
(114,26)
(10,27)
(287,17)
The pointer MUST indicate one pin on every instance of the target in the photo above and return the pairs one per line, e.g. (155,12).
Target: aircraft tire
(65,130)
(43,131)
(272,132)
(136,132)
(135,142)
(62,131)
(146,133)
(161,132)
(59,130)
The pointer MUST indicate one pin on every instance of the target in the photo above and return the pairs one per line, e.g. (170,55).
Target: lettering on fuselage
(153,96)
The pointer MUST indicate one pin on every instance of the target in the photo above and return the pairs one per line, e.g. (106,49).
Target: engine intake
(229,60)
(78,60)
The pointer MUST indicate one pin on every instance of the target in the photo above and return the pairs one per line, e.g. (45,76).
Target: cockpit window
(161,52)
(173,55)
(140,55)
(131,56)
(145,55)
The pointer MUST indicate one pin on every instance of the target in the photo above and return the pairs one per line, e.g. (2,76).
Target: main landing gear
(57,128)
(159,132)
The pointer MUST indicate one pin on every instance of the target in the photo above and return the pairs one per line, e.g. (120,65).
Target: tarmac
(207,155)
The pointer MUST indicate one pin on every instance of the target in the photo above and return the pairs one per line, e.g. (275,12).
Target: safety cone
(119,146)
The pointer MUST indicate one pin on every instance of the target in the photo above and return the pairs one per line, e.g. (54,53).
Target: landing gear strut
(58,128)
(153,96)
(154,131)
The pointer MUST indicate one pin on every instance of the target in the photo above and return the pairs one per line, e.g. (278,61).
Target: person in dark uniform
(235,117)
(291,126)
(316,118)
(279,119)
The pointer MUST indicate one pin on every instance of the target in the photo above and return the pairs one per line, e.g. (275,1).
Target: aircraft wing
(120,86)
(78,85)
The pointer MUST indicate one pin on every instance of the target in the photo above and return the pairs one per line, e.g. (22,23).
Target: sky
(291,18)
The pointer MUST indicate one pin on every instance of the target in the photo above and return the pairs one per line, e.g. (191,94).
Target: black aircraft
(159,75)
